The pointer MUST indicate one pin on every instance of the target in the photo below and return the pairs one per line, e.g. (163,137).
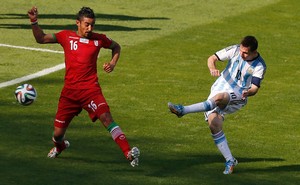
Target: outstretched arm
(38,33)
(115,50)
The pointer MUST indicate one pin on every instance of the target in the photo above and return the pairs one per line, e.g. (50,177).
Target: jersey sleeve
(106,41)
(227,53)
(259,71)
(60,37)
(258,74)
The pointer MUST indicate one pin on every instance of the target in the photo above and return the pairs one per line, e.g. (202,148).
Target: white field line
(37,74)
(32,76)
(29,48)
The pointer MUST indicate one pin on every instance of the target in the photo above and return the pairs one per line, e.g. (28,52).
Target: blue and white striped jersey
(238,74)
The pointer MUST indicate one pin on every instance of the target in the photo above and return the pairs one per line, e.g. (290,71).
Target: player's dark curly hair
(85,12)
(251,42)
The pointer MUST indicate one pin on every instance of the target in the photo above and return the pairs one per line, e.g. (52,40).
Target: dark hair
(251,42)
(85,12)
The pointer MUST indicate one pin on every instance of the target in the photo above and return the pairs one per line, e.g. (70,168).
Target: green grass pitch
(165,45)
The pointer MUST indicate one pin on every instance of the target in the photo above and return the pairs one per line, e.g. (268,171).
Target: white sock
(200,107)
(221,143)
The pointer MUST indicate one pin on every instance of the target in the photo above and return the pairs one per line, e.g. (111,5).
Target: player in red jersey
(81,89)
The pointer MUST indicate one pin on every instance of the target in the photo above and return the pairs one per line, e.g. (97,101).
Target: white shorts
(235,103)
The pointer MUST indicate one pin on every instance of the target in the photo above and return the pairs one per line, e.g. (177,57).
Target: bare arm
(250,92)
(211,63)
(115,50)
(38,33)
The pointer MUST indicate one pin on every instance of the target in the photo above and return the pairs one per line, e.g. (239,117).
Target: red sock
(60,146)
(119,137)
(123,144)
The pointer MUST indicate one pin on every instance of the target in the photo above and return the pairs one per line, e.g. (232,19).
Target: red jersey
(81,58)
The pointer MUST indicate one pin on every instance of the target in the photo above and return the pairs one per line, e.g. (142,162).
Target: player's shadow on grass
(249,160)
(273,169)
(73,17)
(100,18)
(170,167)
(101,27)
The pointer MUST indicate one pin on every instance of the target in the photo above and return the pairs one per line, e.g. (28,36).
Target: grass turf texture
(164,60)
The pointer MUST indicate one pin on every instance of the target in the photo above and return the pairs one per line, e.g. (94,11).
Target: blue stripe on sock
(207,105)
(219,137)
(219,140)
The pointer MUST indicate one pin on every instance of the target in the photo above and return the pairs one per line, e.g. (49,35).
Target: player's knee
(222,99)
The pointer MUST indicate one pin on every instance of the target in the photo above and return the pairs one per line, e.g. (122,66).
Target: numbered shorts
(72,101)
(235,103)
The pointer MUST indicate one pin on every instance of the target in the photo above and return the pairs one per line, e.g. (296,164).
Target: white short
(235,103)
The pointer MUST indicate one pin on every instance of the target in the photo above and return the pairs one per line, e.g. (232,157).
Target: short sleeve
(227,53)
(259,71)
(105,41)
(60,36)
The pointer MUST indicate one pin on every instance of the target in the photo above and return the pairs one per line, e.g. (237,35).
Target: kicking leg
(221,100)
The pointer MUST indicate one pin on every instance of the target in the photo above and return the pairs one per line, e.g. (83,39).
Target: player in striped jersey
(240,79)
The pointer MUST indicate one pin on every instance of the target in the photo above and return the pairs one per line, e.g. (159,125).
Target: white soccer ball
(25,94)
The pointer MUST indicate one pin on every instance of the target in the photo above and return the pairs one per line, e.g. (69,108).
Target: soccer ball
(25,94)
